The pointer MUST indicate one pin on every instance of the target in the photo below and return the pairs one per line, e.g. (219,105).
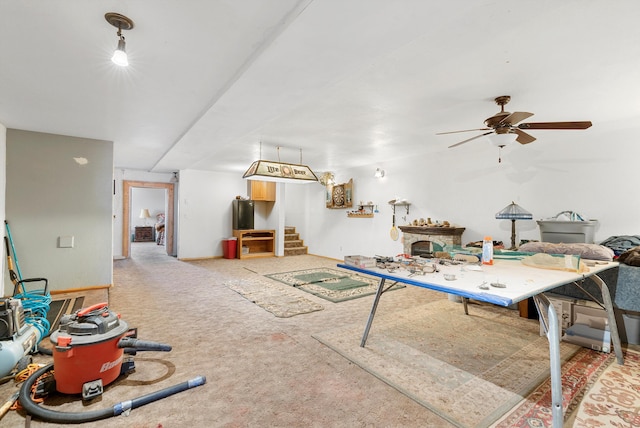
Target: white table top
(521,281)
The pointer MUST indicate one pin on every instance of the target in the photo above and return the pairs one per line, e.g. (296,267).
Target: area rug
(330,284)
(280,301)
(578,376)
(614,400)
(468,369)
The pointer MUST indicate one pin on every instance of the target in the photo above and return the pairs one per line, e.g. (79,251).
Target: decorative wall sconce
(379,173)
(327,179)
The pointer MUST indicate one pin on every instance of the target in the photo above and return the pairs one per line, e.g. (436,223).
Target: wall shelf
(363,211)
(400,204)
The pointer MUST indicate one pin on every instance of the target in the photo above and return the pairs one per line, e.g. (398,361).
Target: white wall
(205,212)
(3,185)
(467,186)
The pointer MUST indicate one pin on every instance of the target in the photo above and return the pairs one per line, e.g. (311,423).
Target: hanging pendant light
(121,22)
(264,170)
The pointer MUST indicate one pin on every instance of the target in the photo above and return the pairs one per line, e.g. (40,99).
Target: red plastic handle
(95,307)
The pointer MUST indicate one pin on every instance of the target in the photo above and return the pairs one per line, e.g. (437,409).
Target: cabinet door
(263,190)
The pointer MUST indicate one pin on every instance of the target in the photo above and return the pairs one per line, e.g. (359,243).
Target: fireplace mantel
(436,231)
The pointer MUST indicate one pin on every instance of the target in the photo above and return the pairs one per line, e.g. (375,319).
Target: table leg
(552,329)
(372,313)
(613,326)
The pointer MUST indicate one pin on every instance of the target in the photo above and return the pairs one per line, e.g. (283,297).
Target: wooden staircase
(293,245)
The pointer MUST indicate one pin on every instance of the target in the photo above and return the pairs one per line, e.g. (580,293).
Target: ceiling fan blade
(466,130)
(515,117)
(555,125)
(523,137)
(469,139)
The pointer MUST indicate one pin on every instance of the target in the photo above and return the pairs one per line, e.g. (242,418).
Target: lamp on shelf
(513,212)
(144,213)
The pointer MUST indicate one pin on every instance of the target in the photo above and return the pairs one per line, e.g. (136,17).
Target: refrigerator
(243,214)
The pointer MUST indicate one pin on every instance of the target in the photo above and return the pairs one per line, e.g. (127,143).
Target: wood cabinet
(263,190)
(256,243)
(143,234)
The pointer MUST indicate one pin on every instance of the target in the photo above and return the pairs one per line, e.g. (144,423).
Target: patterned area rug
(280,301)
(614,399)
(469,370)
(578,375)
(330,284)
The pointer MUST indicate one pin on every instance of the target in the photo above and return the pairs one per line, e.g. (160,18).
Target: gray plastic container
(567,232)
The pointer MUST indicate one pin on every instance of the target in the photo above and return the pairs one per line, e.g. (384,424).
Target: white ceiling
(347,82)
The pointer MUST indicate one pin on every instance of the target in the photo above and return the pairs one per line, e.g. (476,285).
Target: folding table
(504,283)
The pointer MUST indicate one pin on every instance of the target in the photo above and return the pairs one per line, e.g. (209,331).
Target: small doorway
(126,208)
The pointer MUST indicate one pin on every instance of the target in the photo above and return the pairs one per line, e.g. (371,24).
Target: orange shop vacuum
(89,353)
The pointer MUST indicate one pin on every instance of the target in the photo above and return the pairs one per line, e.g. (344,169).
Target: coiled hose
(35,304)
(95,415)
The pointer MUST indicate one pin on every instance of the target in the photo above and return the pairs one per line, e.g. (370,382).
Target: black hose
(94,415)
(142,345)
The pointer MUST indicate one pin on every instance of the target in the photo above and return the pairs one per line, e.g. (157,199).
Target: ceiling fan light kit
(121,22)
(501,140)
(504,127)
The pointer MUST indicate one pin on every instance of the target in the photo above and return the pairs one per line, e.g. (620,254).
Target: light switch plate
(65,241)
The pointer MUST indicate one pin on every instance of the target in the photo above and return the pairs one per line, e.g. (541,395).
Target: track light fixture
(121,22)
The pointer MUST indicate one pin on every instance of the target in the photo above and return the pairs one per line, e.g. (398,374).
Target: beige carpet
(469,370)
(281,301)
(261,370)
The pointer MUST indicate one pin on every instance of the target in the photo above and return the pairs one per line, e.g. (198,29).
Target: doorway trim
(126,208)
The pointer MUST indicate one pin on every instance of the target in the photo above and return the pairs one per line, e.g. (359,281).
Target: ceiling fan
(505,123)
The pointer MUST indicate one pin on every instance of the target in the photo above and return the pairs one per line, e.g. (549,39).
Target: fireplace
(421,248)
(419,240)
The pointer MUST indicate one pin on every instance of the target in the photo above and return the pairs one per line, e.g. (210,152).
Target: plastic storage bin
(632,328)
(229,248)
(567,232)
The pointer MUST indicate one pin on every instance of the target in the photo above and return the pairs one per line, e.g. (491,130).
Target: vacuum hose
(131,345)
(95,415)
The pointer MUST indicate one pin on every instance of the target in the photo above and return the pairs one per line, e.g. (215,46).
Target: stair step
(293,243)
(295,251)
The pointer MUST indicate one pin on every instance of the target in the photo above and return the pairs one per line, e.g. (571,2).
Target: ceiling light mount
(121,22)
